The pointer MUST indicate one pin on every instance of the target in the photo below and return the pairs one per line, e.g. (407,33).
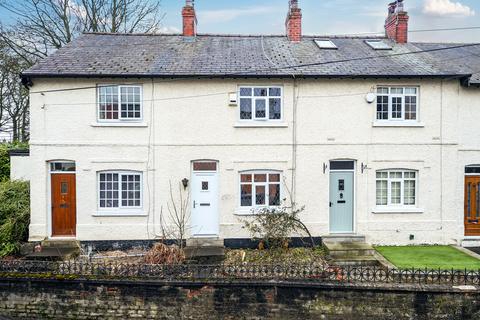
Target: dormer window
(326,44)
(119,103)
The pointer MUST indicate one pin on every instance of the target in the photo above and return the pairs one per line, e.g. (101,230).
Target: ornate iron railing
(307,273)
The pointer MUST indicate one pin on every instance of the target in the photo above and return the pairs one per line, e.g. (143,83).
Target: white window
(326,44)
(260,189)
(119,103)
(119,190)
(396,188)
(260,103)
(378,44)
(397,103)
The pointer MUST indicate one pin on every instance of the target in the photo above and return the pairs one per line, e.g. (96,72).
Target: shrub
(275,226)
(14,215)
(163,254)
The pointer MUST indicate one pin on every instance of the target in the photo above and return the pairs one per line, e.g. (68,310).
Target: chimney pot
(293,22)
(396,24)
(189,19)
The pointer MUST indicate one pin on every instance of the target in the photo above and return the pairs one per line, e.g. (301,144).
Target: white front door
(204,204)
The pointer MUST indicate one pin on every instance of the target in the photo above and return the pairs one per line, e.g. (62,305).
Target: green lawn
(431,257)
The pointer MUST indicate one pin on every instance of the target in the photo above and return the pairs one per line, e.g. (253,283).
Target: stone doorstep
(209,251)
(60,243)
(205,242)
(54,253)
(343,237)
(356,261)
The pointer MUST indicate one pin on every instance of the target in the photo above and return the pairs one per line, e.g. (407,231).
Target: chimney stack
(396,24)
(293,23)
(189,19)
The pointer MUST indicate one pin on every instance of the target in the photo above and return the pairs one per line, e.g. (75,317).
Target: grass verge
(430,257)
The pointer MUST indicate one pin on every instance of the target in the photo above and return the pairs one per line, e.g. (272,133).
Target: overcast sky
(322,17)
(329,17)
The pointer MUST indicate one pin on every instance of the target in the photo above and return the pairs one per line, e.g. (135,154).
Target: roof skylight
(326,44)
(378,45)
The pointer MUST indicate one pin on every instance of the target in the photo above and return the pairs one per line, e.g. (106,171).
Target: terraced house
(377,136)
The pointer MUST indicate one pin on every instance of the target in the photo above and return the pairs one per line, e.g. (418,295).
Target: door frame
(354,197)
(192,173)
(49,197)
(464,178)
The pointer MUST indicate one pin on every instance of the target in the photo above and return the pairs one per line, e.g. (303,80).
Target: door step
(53,249)
(205,250)
(341,237)
(348,250)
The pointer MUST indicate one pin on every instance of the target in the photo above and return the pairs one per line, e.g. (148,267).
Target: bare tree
(46,25)
(124,16)
(43,26)
(179,214)
(13,96)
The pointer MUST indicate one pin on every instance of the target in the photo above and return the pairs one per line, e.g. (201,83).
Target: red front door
(64,215)
(472,206)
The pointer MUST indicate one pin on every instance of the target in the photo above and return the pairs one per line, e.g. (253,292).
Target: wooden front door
(472,206)
(64,215)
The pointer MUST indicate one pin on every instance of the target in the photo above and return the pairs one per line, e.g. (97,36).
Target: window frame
(403,96)
(254,118)
(254,206)
(120,197)
(402,180)
(119,96)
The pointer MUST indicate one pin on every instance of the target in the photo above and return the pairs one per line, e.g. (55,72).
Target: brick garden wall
(108,300)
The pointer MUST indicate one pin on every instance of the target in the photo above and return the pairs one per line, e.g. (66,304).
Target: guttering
(27,78)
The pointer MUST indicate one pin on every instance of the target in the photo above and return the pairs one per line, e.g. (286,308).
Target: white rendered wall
(177,131)
(20,168)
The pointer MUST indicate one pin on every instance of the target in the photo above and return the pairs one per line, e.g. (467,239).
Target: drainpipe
(294,140)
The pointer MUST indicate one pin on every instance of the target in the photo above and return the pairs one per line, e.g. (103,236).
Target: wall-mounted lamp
(364,167)
(185,183)
(325,166)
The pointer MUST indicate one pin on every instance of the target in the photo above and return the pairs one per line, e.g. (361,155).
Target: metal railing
(191,272)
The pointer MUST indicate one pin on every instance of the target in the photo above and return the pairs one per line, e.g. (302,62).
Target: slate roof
(140,55)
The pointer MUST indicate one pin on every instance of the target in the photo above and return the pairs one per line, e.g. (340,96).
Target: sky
(324,17)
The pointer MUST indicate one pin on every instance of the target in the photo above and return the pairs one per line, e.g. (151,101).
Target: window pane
(260,195)
(246,92)
(275,92)
(274,194)
(108,103)
(274,177)
(131,190)
(382,193)
(130,102)
(382,107)
(246,195)
(382,90)
(396,90)
(245,108)
(396,196)
(260,92)
(396,108)
(410,108)
(246,177)
(396,175)
(108,194)
(275,108)
(382,175)
(260,108)
(260,178)
(409,192)
(410,90)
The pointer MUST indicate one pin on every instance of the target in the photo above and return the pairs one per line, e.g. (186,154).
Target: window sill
(120,124)
(120,213)
(406,210)
(397,124)
(260,124)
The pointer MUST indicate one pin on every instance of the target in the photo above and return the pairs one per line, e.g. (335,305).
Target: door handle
(331,204)
(193,204)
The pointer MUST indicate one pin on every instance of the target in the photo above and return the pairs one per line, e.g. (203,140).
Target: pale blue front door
(341,202)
